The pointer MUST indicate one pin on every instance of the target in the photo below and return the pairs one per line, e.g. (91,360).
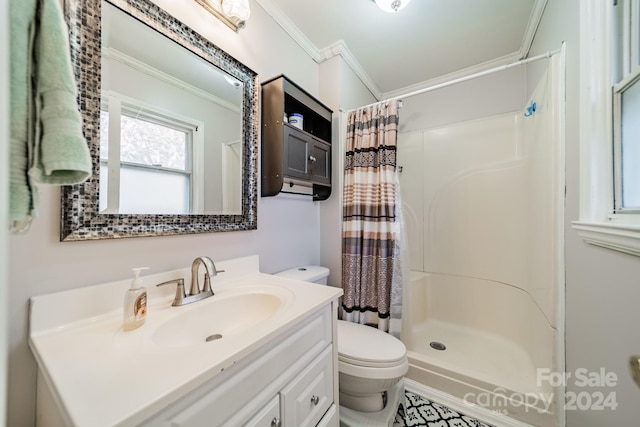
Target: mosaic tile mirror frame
(81,218)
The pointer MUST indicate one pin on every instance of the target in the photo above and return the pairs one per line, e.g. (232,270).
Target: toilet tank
(307,273)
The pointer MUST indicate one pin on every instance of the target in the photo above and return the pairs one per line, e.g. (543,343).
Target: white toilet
(371,364)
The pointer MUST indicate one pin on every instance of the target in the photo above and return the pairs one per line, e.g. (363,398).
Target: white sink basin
(218,317)
(99,375)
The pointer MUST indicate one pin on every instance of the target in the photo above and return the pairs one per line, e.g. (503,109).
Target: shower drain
(437,345)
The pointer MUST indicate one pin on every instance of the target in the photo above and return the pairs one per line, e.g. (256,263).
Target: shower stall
(483,202)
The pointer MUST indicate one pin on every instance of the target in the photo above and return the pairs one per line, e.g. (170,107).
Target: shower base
(482,355)
(481,368)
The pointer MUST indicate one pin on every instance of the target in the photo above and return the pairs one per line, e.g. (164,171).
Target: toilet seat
(368,347)
(368,364)
(367,352)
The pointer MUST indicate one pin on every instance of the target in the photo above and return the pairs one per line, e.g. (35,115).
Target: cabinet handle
(276,422)
(315,399)
(311,158)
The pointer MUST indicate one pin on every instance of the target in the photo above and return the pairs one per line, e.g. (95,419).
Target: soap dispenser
(135,303)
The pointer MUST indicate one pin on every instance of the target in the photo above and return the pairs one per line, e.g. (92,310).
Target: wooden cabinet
(294,160)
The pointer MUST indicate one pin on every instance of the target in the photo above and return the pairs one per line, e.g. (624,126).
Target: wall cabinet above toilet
(296,141)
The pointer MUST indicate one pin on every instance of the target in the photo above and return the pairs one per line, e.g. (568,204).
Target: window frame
(117,105)
(619,211)
(599,224)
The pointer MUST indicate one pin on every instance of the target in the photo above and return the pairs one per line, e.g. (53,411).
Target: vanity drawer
(268,416)
(235,395)
(306,399)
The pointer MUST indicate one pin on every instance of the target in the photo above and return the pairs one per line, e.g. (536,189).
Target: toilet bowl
(370,362)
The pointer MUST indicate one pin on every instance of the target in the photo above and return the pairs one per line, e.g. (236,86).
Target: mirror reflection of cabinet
(294,160)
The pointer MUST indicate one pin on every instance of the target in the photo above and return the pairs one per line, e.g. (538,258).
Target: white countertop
(102,376)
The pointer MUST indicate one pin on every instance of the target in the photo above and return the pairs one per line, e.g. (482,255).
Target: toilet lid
(366,346)
(306,273)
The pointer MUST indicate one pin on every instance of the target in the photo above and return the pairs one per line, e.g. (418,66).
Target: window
(626,107)
(146,160)
(609,135)
(627,145)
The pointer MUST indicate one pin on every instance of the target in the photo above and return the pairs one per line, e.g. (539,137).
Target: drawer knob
(276,422)
(315,399)
(312,158)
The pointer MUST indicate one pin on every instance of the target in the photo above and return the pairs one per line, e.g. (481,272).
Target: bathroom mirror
(165,107)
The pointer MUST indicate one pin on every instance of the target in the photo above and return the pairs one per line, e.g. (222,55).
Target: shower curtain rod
(548,54)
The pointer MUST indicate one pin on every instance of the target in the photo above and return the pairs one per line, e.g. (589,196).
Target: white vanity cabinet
(289,382)
(268,416)
(276,370)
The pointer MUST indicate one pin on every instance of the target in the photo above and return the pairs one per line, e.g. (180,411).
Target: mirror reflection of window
(139,50)
(146,161)
(183,88)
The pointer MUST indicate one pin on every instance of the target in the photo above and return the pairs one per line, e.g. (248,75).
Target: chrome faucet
(195,293)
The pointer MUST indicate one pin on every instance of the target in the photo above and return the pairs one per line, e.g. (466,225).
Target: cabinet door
(296,153)
(306,399)
(320,162)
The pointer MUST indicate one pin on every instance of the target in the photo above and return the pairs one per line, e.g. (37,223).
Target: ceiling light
(236,9)
(233,13)
(232,81)
(392,6)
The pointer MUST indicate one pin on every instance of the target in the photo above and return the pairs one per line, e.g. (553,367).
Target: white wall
(602,286)
(482,97)
(287,235)
(343,90)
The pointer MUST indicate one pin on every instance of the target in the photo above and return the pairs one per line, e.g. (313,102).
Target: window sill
(619,237)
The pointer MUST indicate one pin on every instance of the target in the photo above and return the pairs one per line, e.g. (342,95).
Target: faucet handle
(207,278)
(180,293)
(214,269)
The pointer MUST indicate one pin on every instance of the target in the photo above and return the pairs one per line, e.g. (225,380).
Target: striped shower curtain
(371,273)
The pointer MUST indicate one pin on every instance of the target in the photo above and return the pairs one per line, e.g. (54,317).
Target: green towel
(47,144)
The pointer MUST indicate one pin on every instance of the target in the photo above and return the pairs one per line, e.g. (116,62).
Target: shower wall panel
(480,200)
(483,201)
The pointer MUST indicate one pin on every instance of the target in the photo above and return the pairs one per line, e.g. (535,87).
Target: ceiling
(426,40)
(127,40)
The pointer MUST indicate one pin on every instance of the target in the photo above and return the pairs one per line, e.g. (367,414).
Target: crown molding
(504,60)
(116,55)
(532,27)
(291,29)
(522,53)
(340,48)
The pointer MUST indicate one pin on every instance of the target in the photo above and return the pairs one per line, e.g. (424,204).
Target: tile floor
(421,412)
